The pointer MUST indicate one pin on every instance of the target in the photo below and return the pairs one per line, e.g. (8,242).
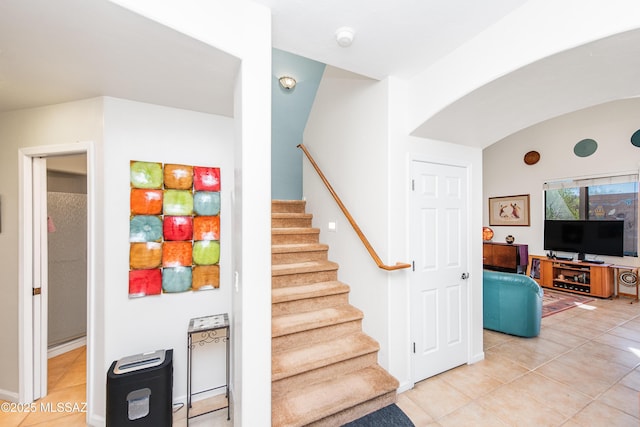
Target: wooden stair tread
(305,358)
(298,322)
(293,293)
(298,247)
(295,230)
(324,368)
(309,404)
(302,267)
(286,215)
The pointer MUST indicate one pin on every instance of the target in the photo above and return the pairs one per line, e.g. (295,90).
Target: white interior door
(439,291)
(40,277)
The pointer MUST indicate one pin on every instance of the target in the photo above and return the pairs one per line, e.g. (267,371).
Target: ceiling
(601,71)
(64,50)
(48,54)
(392,37)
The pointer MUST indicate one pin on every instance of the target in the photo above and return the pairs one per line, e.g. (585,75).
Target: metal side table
(203,331)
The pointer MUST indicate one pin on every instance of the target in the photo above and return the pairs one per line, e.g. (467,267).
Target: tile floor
(67,385)
(583,370)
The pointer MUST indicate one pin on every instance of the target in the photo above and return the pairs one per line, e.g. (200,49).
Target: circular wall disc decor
(628,278)
(532,157)
(635,138)
(585,148)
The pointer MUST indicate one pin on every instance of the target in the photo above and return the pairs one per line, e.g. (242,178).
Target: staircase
(324,369)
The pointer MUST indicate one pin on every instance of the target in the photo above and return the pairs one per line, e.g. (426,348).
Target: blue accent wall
(289,113)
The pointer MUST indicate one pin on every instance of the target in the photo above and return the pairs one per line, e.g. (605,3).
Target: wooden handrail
(346,213)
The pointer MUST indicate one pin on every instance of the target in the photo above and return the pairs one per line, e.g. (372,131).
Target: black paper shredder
(140,390)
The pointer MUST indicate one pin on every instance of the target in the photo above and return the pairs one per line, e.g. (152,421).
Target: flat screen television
(584,237)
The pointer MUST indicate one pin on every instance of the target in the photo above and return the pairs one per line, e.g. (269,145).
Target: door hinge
(36,291)
(413,265)
(413,185)
(414,348)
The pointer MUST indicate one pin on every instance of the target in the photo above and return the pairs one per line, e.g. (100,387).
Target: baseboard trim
(405,385)
(476,358)
(9,396)
(65,347)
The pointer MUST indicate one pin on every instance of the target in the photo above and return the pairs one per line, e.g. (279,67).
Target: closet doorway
(56,267)
(67,253)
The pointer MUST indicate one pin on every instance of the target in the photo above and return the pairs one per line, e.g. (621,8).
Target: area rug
(389,416)
(554,301)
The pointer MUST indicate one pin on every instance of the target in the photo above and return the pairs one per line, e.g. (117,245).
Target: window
(603,198)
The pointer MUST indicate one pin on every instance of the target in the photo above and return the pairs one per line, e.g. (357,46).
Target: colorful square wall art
(174,228)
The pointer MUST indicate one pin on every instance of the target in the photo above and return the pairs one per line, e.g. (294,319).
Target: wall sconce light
(287,82)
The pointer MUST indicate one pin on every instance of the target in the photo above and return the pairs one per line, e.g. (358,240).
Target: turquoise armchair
(512,303)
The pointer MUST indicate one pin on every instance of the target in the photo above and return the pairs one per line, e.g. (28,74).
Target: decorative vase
(510,239)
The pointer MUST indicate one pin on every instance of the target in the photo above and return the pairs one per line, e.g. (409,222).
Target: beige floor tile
(416,414)
(519,409)
(437,397)
(502,369)
(58,404)
(471,381)
(493,338)
(600,319)
(632,380)
(472,415)
(612,348)
(73,420)
(59,365)
(578,379)
(11,414)
(627,332)
(532,352)
(623,398)
(598,414)
(562,337)
(557,396)
(579,330)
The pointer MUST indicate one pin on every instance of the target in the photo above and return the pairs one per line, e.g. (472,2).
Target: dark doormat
(389,416)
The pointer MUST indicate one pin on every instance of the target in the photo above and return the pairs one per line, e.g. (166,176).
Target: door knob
(464,276)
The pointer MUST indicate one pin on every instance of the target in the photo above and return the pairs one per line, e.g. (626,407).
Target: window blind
(589,182)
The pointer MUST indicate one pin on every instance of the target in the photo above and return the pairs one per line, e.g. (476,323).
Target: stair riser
(308,304)
(285,385)
(303,278)
(290,222)
(293,238)
(313,336)
(353,413)
(299,256)
(289,206)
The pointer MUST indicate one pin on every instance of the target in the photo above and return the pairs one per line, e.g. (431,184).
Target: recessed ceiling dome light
(344,36)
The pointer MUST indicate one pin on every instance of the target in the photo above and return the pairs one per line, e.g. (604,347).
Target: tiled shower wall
(67,244)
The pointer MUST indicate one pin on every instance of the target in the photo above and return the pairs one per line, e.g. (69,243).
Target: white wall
(505,172)
(347,135)
(358,134)
(137,131)
(243,29)
(52,125)
(402,150)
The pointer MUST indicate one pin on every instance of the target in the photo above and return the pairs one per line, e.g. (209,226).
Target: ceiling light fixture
(344,36)
(287,82)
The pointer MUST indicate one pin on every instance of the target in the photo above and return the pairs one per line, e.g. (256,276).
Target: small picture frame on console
(509,210)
